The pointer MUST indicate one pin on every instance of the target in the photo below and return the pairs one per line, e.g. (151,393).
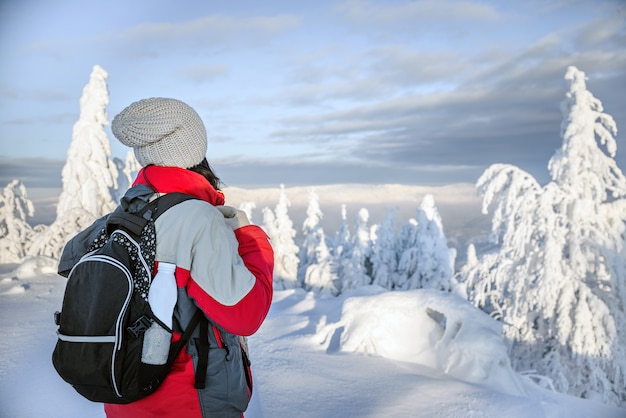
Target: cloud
(296,171)
(33,172)
(12,93)
(202,73)
(42,174)
(367,12)
(206,33)
(377,73)
(384,97)
(603,31)
(468,128)
(151,40)
(461,112)
(58,118)
(401,66)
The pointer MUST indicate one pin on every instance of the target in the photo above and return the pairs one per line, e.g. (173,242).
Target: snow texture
(436,356)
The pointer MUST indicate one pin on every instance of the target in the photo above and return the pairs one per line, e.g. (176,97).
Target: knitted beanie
(161,131)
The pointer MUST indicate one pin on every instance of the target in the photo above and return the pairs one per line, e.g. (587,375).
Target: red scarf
(176,179)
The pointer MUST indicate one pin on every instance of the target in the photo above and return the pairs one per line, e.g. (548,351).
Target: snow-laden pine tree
(425,261)
(342,248)
(89,174)
(472,258)
(559,279)
(282,234)
(15,232)
(127,171)
(405,239)
(315,271)
(247,208)
(459,284)
(385,252)
(357,268)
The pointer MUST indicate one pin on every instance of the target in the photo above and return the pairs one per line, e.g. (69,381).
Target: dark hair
(205,170)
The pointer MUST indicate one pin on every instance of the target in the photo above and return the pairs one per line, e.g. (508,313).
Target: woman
(223,264)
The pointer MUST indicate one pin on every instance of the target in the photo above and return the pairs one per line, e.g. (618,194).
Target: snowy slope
(309,358)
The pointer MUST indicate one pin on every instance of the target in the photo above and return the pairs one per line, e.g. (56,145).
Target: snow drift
(426,327)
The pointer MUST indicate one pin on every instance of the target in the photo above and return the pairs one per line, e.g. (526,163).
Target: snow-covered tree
(426,261)
(248,207)
(385,252)
(357,267)
(127,169)
(282,234)
(315,271)
(15,231)
(406,239)
(269,223)
(342,248)
(559,280)
(311,236)
(459,284)
(89,175)
(472,258)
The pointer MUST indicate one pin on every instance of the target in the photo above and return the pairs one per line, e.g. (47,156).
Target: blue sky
(367,91)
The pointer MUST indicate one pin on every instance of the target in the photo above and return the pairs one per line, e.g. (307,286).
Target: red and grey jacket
(228,275)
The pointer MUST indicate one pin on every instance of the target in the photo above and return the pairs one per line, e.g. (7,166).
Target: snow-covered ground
(367,353)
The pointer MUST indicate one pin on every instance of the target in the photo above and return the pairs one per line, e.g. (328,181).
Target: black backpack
(105,311)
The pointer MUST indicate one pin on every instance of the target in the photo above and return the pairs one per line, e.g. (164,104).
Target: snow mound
(13,283)
(427,327)
(36,266)
(10,287)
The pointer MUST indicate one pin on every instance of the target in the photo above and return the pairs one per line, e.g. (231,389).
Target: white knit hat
(161,131)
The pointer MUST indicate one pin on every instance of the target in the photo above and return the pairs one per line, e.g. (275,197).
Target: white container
(163,293)
(162,299)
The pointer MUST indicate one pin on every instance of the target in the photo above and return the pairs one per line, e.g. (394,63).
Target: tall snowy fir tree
(357,265)
(341,248)
(127,170)
(471,257)
(89,175)
(425,261)
(385,252)
(248,208)
(15,231)
(405,240)
(315,271)
(558,281)
(279,227)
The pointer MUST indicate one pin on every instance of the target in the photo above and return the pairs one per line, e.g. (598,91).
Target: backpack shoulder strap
(160,205)
(136,221)
(175,348)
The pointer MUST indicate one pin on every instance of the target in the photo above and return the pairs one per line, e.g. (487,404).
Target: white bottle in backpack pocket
(163,293)
(162,299)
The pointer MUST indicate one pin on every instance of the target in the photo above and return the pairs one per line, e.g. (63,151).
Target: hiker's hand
(234,218)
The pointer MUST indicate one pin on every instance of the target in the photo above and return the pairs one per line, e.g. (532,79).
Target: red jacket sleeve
(246,316)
